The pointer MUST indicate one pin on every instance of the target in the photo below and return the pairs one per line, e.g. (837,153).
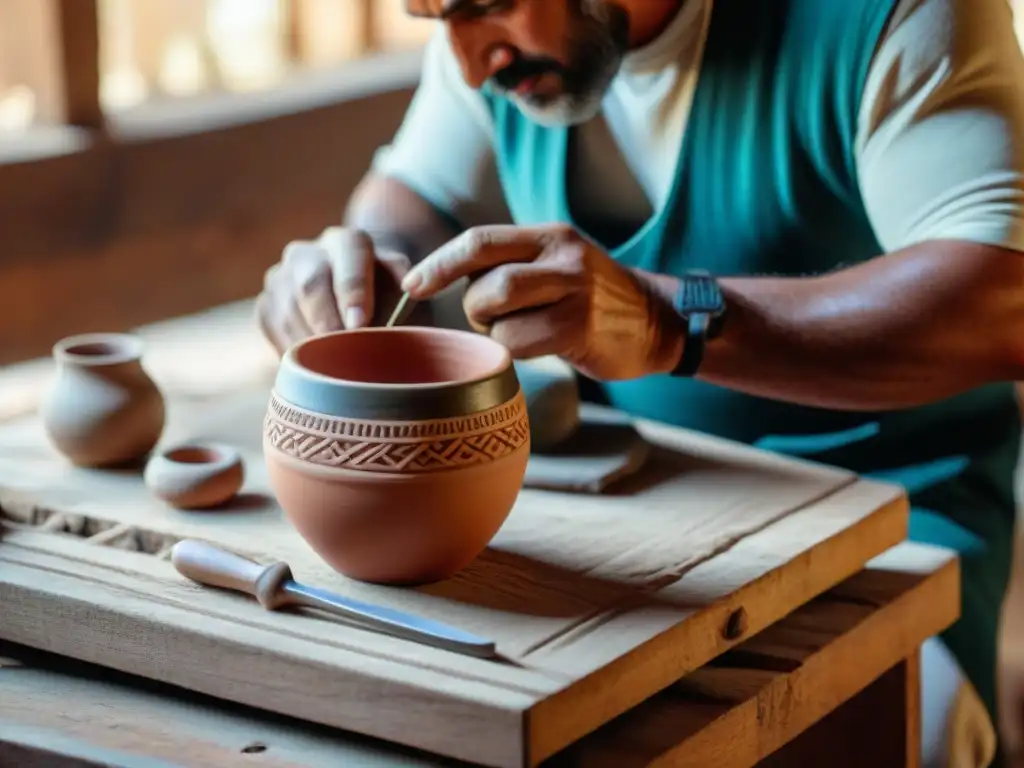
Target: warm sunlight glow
(184,47)
(158,49)
(17,108)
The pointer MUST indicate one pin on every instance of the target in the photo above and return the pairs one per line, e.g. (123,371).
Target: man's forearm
(902,330)
(397,219)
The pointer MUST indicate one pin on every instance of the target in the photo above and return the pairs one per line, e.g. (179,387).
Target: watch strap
(693,347)
(699,302)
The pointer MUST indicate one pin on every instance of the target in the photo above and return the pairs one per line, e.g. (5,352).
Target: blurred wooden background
(156,155)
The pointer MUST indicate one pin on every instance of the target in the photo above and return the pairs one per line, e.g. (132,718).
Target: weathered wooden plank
(171,166)
(48,695)
(749,587)
(26,747)
(137,280)
(755,699)
(879,726)
(78,26)
(96,604)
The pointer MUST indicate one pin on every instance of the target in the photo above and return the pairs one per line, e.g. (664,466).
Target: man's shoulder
(442,79)
(939,144)
(936,53)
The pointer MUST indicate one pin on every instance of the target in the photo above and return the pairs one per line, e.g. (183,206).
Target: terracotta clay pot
(195,476)
(103,408)
(397,453)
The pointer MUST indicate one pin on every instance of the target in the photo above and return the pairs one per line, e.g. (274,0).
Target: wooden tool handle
(217,567)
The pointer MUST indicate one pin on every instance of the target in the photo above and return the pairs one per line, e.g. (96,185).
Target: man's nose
(480,55)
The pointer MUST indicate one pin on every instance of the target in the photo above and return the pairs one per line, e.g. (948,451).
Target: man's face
(554,58)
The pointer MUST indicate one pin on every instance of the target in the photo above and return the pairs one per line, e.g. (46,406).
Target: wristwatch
(701,305)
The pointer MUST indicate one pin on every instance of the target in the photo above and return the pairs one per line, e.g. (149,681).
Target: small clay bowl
(397,453)
(195,476)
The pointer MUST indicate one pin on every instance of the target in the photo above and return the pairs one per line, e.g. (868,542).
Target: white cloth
(940,145)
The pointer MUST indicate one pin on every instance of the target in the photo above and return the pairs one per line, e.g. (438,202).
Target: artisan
(793,223)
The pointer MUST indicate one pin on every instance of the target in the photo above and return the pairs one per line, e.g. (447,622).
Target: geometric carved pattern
(397,446)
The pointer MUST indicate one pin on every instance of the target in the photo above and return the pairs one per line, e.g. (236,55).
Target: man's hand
(549,291)
(339,281)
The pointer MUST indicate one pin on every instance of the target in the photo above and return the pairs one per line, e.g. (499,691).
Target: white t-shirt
(940,143)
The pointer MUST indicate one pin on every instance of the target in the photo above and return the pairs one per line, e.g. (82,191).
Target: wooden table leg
(879,727)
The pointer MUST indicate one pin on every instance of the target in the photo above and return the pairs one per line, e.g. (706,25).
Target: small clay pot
(397,453)
(195,476)
(103,409)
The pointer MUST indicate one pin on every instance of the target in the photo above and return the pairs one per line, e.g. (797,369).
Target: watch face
(699,294)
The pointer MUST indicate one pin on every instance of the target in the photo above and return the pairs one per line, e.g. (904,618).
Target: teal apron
(766,183)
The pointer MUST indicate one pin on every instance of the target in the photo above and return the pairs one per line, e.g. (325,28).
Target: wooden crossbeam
(79,56)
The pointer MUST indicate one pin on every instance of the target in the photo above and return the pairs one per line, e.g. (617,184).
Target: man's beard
(599,40)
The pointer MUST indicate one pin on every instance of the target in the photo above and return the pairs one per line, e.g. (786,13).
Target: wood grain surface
(63,713)
(596,602)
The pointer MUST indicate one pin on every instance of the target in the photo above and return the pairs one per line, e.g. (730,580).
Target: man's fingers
(552,330)
(323,286)
(278,311)
(309,274)
(293,326)
(352,261)
(475,250)
(512,288)
(264,317)
(281,320)
(271,277)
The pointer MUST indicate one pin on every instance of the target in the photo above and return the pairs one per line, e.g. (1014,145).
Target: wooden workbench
(741,618)
(837,679)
